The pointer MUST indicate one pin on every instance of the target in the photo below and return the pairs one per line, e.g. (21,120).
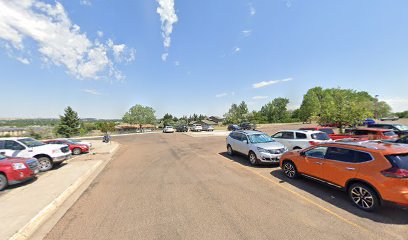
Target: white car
(300,139)
(168,129)
(258,146)
(48,155)
(207,128)
(196,128)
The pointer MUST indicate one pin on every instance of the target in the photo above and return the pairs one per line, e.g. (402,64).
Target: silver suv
(258,146)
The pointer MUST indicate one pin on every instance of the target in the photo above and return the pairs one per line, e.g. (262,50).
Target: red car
(75,148)
(16,170)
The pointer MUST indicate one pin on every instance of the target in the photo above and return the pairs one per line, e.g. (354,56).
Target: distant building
(12,132)
(217,120)
(204,122)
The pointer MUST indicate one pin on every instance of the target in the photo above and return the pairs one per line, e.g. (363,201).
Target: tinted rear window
(301,136)
(390,133)
(320,136)
(399,160)
(327,130)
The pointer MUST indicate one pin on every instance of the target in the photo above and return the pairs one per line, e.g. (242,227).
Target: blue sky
(101,57)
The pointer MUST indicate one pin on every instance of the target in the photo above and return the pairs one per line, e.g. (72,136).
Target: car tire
(290,170)
(230,151)
(363,197)
(253,160)
(76,151)
(3,182)
(45,164)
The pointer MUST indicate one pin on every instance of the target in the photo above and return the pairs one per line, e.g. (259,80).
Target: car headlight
(19,166)
(262,150)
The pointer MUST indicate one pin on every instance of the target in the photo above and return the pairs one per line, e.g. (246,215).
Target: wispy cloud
(99,33)
(85,2)
(259,97)
(23,60)
(168,17)
(221,95)
(267,83)
(91,91)
(237,49)
(288,3)
(164,56)
(60,42)
(252,9)
(176,63)
(247,33)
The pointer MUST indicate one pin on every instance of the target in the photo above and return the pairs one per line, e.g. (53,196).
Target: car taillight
(313,143)
(395,172)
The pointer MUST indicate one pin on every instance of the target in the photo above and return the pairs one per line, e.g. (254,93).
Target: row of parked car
(185,128)
(23,158)
(370,164)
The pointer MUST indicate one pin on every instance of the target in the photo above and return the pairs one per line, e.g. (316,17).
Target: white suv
(196,128)
(48,155)
(300,139)
(258,146)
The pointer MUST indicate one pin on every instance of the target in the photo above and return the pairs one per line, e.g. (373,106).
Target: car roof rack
(363,144)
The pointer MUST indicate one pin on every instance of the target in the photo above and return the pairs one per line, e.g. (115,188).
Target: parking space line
(310,201)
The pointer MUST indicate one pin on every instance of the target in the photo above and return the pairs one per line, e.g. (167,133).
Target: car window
(288,135)
(242,137)
(12,145)
(2,142)
(389,133)
(318,152)
(233,135)
(278,135)
(398,160)
(320,136)
(301,136)
(327,130)
(340,154)
(361,132)
(362,157)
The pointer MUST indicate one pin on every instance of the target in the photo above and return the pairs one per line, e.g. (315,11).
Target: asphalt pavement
(174,186)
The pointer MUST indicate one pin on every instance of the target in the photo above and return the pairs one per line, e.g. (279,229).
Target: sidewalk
(25,207)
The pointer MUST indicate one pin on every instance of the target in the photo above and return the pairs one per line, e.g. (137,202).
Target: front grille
(277,151)
(32,164)
(65,149)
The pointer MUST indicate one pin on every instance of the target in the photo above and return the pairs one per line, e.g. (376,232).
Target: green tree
(106,126)
(140,115)
(168,120)
(69,123)
(311,107)
(276,110)
(237,113)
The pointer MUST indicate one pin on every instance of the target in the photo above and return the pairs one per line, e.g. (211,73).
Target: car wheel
(290,170)
(3,182)
(76,151)
(45,164)
(363,197)
(230,151)
(252,158)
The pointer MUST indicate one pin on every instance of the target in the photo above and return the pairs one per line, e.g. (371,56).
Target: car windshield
(30,142)
(327,130)
(260,138)
(2,157)
(401,127)
(399,160)
(320,136)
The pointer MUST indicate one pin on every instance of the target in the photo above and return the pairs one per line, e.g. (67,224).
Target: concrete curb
(116,135)
(47,212)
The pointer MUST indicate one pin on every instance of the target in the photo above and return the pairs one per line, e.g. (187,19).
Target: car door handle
(318,163)
(350,168)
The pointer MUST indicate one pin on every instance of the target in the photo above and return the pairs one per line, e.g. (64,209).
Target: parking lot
(175,186)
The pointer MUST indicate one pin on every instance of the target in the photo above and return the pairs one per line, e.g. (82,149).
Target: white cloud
(99,33)
(221,95)
(398,104)
(23,60)
(247,33)
(59,41)
(85,2)
(176,63)
(91,91)
(164,56)
(259,97)
(168,18)
(288,3)
(267,83)
(252,9)
(237,49)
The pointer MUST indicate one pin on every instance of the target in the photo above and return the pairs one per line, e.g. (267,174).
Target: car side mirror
(302,153)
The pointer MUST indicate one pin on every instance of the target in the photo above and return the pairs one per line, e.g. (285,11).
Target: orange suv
(370,172)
